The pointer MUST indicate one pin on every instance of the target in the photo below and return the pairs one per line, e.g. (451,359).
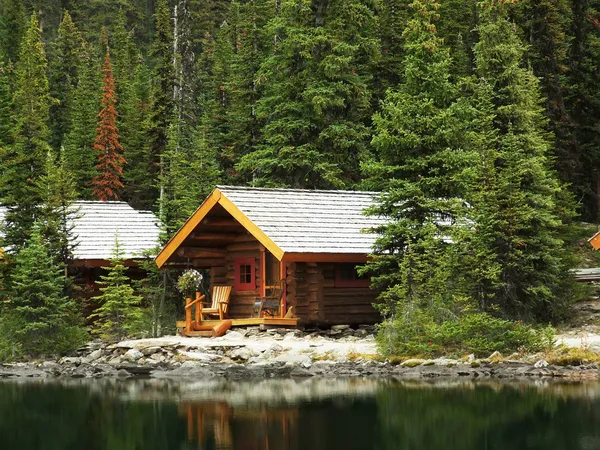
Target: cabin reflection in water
(240,428)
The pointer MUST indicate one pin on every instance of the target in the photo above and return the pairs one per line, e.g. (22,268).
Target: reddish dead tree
(107,185)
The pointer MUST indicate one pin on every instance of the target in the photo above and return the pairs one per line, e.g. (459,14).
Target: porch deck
(248,322)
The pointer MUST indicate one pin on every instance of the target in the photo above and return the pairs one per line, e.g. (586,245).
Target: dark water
(297,415)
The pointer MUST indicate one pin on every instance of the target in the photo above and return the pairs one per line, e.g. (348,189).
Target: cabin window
(346,275)
(245,275)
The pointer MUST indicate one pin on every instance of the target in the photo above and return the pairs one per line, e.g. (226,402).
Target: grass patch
(570,356)
(480,334)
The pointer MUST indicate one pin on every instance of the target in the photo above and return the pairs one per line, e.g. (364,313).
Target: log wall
(311,290)
(241,302)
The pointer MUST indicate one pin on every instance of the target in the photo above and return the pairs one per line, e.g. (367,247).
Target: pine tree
(107,184)
(119,314)
(80,156)
(161,106)
(317,102)
(38,316)
(518,204)
(420,159)
(22,163)
(65,62)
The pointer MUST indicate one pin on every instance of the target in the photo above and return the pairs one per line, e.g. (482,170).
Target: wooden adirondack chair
(220,303)
(270,305)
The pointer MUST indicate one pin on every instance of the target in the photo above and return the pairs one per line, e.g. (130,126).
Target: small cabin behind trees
(95,225)
(256,239)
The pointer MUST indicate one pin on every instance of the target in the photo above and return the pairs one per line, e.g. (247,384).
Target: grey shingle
(97,223)
(309,221)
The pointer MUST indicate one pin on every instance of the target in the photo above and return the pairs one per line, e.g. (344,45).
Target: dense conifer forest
(476,120)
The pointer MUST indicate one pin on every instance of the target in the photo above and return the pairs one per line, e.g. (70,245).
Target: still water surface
(298,415)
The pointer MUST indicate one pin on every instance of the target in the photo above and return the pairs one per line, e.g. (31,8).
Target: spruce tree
(13,24)
(6,119)
(65,62)
(583,106)
(134,109)
(22,163)
(518,205)
(57,212)
(419,163)
(108,183)
(38,316)
(317,100)
(80,156)
(161,100)
(119,314)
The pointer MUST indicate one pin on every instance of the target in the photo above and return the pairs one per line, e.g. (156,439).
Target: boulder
(413,362)
(241,354)
(147,351)
(132,355)
(96,354)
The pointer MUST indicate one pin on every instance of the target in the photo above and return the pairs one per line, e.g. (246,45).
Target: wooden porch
(263,322)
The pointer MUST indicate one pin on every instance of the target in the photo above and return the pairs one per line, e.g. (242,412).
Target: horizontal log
(243,246)
(199,236)
(199,252)
(221,222)
(207,262)
(245,237)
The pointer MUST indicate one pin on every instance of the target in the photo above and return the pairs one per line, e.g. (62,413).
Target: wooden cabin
(95,225)
(253,238)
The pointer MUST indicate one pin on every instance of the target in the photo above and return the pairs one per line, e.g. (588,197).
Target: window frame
(238,263)
(340,281)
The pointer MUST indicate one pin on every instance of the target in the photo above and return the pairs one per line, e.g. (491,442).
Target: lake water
(298,415)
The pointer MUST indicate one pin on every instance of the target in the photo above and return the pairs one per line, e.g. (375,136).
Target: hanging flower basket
(189,282)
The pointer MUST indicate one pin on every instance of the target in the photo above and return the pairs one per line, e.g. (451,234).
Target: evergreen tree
(57,211)
(518,204)
(38,316)
(80,156)
(317,102)
(6,120)
(582,158)
(420,160)
(22,163)
(13,24)
(161,99)
(107,184)
(119,314)
(65,62)
(134,110)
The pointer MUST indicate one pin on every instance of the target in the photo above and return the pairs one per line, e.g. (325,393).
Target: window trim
(238,262)
(343,282)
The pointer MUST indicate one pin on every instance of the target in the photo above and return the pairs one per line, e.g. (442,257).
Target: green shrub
(478,333)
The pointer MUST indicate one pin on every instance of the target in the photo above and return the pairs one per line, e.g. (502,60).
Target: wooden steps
(262,321)
(215,328)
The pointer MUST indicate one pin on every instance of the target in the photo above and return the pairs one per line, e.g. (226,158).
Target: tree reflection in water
(297,415)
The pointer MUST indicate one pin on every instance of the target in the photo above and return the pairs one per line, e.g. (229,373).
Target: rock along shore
(280,353)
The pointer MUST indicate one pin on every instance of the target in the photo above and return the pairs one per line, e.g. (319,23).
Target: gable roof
(96,223)
(290,222)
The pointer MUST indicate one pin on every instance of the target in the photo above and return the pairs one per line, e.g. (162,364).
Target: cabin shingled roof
(96,224)
(309,221)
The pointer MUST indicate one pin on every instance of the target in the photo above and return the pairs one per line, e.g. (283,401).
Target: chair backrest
(273,298)
(221,295)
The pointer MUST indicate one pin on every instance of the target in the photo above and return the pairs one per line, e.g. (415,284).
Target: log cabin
(95,226)
(309,241)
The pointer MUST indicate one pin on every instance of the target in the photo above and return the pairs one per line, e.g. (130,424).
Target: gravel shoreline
(281,353)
